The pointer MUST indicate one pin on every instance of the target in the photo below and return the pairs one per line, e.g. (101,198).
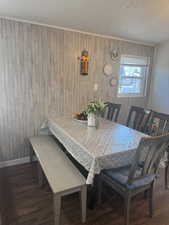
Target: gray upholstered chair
(140,175)
(111,111)
(138,118)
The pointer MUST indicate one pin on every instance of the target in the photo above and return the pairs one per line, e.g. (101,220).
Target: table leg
(93,193)
(57,208)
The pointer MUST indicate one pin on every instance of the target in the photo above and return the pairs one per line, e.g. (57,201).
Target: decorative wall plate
(113,81)
(108,69)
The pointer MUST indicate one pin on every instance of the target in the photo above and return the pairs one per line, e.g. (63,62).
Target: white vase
(91,120)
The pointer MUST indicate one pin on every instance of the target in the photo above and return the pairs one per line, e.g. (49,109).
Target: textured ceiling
(139,20)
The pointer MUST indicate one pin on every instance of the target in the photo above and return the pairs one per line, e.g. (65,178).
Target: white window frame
(146,77)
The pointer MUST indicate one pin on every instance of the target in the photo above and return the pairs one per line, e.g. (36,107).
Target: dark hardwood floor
(25,203)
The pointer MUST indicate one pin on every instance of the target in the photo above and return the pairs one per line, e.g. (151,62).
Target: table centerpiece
(94,109)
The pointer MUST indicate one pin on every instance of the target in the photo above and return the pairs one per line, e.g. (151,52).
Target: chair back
(138,117)
(146,121)
(112,111)
(147,158)
(159,124)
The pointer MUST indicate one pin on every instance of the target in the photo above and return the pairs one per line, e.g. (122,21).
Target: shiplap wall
(39,73)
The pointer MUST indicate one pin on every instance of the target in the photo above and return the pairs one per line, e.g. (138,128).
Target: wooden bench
(60,172)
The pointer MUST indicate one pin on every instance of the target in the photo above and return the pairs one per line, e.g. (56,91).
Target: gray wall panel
(39,73)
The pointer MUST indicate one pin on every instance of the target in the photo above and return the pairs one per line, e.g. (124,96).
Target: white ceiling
(139,20)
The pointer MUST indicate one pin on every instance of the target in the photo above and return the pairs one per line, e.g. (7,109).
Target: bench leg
(57,208)
(31,154)
(40,175)
(83,202)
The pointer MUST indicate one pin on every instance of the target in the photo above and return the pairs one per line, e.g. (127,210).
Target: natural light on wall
(133,76)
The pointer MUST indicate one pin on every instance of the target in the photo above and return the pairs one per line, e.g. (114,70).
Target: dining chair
(133,179)
(112,111)
(146,120)
(159,125)
(138,118)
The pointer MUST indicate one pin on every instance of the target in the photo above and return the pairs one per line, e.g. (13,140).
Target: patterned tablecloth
(110,145)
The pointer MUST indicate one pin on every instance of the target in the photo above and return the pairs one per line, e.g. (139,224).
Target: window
(133,76)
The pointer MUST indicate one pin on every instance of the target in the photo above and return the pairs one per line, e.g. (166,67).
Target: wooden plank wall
(39,72)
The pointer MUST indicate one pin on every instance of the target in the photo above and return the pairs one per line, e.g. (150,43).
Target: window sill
(130,96)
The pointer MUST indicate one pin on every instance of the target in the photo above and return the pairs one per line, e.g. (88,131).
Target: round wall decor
(108,69)
(113,81)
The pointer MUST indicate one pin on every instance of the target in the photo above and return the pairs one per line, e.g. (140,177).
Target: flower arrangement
(95,107)
(92,112)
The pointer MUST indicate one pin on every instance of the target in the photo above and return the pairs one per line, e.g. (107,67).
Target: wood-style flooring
(23,202)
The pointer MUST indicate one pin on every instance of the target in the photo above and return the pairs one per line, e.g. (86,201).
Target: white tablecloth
(110,145)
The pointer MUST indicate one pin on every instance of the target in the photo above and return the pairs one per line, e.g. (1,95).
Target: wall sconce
(84,63)
(114,54)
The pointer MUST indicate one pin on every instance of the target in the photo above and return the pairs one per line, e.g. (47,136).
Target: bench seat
(62,175)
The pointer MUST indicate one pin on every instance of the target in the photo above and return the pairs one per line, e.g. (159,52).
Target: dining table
(109,145)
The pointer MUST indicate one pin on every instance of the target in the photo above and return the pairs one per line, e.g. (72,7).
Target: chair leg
(127,209)
(83,202)
(166,175)
(151,200)
(57,208)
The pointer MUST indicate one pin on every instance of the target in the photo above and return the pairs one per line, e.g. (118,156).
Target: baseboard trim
(14,162)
